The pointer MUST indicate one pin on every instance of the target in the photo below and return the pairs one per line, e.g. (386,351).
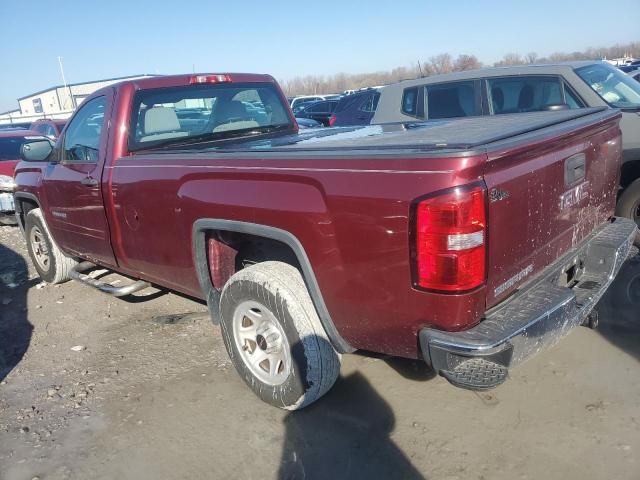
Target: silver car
(527,88)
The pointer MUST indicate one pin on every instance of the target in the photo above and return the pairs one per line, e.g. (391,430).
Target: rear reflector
(209,79)
(450,250)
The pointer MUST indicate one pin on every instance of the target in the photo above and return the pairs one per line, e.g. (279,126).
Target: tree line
(438,64)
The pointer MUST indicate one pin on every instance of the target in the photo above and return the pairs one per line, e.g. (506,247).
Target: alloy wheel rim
(40,249)
(262,343)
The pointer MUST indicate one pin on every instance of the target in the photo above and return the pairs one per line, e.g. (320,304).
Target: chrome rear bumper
(536,317)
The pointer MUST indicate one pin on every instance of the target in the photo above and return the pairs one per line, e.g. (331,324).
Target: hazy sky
(113,38)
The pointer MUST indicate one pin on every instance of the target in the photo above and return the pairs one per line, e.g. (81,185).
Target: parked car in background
(320,111)
(630,67)
(355,109)
(297,102)
(527,88)
(11,142)
(469,244)
(308,123)
(15,126)
(48,127)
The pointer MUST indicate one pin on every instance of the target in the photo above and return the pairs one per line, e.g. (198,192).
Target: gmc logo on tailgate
(574,196)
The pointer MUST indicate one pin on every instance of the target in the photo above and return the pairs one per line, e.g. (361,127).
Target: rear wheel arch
(25,202)
(282,245)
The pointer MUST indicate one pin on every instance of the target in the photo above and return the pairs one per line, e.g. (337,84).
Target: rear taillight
(332,120)
(209,79)
(450,250)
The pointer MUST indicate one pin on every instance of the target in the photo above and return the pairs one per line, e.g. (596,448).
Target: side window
(571,99)
(41,128)
(450,100)
(527,93)
(410,101)
(82,139)
(371,103)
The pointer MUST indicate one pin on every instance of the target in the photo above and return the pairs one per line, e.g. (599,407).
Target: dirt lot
(148,393)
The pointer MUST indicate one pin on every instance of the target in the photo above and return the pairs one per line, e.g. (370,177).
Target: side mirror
(36,150)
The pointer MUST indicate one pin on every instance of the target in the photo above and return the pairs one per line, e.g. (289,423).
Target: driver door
(73,184)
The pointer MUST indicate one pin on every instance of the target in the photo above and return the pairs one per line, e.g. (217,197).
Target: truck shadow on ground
(345,435)
(15,329)
(619,309)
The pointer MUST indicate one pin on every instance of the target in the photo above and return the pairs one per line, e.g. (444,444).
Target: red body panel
(351,215)
(7,167)
(352,220)
(531,228)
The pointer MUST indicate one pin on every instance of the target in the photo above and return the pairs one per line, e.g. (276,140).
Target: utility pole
(64,81)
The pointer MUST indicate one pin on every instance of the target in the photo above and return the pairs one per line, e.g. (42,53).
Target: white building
(58,101)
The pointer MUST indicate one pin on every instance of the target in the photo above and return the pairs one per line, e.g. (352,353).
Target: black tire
(314,363)
(58,265)
(629,205)
(626,286)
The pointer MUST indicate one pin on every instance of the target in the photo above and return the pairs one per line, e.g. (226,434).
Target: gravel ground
(95,387)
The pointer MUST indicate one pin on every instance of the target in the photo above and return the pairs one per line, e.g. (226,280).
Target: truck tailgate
(546,198)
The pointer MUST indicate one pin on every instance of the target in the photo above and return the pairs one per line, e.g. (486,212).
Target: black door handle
(89,181)
(574,169)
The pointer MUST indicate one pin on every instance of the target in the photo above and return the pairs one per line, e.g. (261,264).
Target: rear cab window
(529,93)
(452,100)
(412,102)
(200,113)
(371,103)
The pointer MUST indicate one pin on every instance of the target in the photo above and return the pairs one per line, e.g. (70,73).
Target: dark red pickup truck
(467,243)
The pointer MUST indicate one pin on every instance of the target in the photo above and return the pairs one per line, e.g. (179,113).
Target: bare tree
(443,63)
(439,64)
(510,59)
(466,62)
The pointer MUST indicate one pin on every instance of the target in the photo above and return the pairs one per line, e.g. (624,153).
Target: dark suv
(319,111)
(356,109)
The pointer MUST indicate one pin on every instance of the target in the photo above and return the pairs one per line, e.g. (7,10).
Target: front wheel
(52,265)
(274,337)
(629,205)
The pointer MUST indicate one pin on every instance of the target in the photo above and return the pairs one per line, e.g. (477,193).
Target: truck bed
(445,136)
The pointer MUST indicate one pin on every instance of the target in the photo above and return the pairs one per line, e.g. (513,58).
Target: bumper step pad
(476,374)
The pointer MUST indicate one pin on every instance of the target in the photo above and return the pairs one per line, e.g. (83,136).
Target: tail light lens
(450,251)
(332,120)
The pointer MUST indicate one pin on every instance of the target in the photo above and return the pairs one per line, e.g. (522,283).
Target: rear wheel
(52,265)
(274,337)
(629,205)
